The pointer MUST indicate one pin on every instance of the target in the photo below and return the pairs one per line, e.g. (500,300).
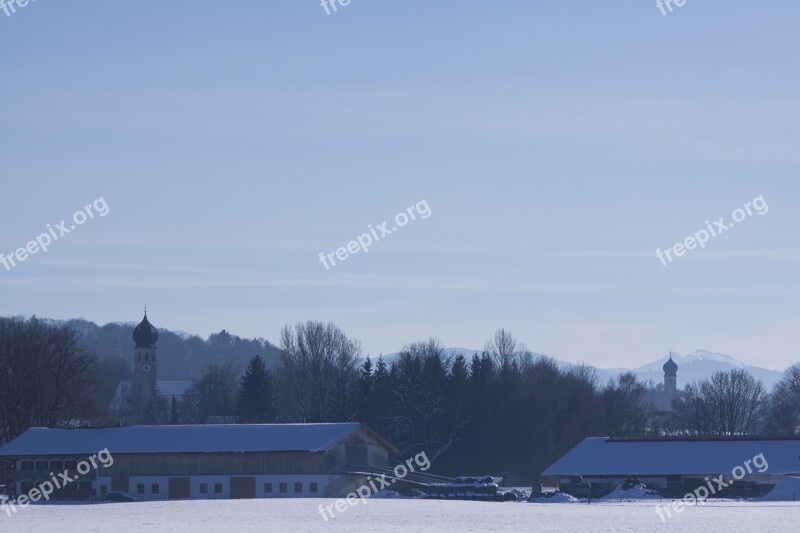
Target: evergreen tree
(174,417)
(382,399)
(365,406)
(255,404)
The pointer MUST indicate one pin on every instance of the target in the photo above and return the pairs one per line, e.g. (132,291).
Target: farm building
(196,461)
(679,465)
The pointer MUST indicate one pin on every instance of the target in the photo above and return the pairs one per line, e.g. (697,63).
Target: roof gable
(604,456)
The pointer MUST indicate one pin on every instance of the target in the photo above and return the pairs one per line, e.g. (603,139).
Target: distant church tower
(145,366)
(670,381)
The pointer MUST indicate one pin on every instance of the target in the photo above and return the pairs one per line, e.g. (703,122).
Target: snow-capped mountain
(701,364)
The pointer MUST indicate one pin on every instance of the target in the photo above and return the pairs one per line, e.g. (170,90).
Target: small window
(42,465)
(70,465)
(203,488)
(312,487)
(85,486)
(298,487)
(283,487)
(56,466)
(218,488)
(155,488)
(267,488)
(27,465)
(140,488)
(25,486)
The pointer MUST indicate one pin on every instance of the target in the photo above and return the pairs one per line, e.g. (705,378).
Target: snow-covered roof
(177,439)
(602,456)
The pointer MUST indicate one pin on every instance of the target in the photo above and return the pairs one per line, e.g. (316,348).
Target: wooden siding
(216,464)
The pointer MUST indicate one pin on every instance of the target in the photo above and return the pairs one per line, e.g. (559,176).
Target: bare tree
(784,404)
(503,348)
(46,376)
(318,369)
(214,394)
(727,403)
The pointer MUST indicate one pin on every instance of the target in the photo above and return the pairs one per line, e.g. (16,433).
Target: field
(392,516)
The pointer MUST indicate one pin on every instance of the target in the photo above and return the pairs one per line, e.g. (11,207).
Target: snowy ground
(391,516)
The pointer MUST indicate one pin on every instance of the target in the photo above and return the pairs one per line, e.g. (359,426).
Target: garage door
(243,487)
(178,488)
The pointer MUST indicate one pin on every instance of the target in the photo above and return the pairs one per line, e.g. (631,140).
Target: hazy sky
(558,144)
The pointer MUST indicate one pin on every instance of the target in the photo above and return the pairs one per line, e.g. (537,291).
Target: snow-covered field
(392,516)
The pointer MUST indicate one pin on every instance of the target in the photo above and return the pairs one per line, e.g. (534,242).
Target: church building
(145,395)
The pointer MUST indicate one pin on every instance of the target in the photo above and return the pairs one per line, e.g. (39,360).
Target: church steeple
(670,381)
(145,365)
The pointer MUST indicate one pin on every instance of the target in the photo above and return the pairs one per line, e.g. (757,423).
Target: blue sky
(558,144)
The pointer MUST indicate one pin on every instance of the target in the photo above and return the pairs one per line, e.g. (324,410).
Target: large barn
(196,461)
(679,465)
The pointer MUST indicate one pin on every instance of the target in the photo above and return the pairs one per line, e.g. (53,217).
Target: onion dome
(145,334)
(670,368)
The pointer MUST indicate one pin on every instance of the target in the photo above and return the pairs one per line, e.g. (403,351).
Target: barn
(748,466)
(194,461)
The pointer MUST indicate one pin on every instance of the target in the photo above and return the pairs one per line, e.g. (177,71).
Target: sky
(553,145)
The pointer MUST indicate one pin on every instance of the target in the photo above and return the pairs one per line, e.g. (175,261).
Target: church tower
(670,381)
(145,365)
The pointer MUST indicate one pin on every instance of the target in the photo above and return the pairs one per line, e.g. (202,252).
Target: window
(25,486)
(70,465)
(218,488)
(56,466)
(26,465)
(42,465)
(203,488)
(298,487)
(283,488)
(155,488)
(312,487)
(267,487)
(85,486)
(140,488)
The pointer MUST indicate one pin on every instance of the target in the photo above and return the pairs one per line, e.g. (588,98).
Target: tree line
(500,411)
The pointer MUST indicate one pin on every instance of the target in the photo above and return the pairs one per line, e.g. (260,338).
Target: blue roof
(180,439)
(602,456)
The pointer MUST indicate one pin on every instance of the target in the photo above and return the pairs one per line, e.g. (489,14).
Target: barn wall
(193,464)
(141,487)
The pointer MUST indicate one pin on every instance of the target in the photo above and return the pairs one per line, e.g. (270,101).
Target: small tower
(670,381)
(145,366)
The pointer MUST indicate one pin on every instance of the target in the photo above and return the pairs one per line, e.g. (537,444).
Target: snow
(558,497)
(637,492)
(601,456)
(189,438)
(787,490)
(396,515)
